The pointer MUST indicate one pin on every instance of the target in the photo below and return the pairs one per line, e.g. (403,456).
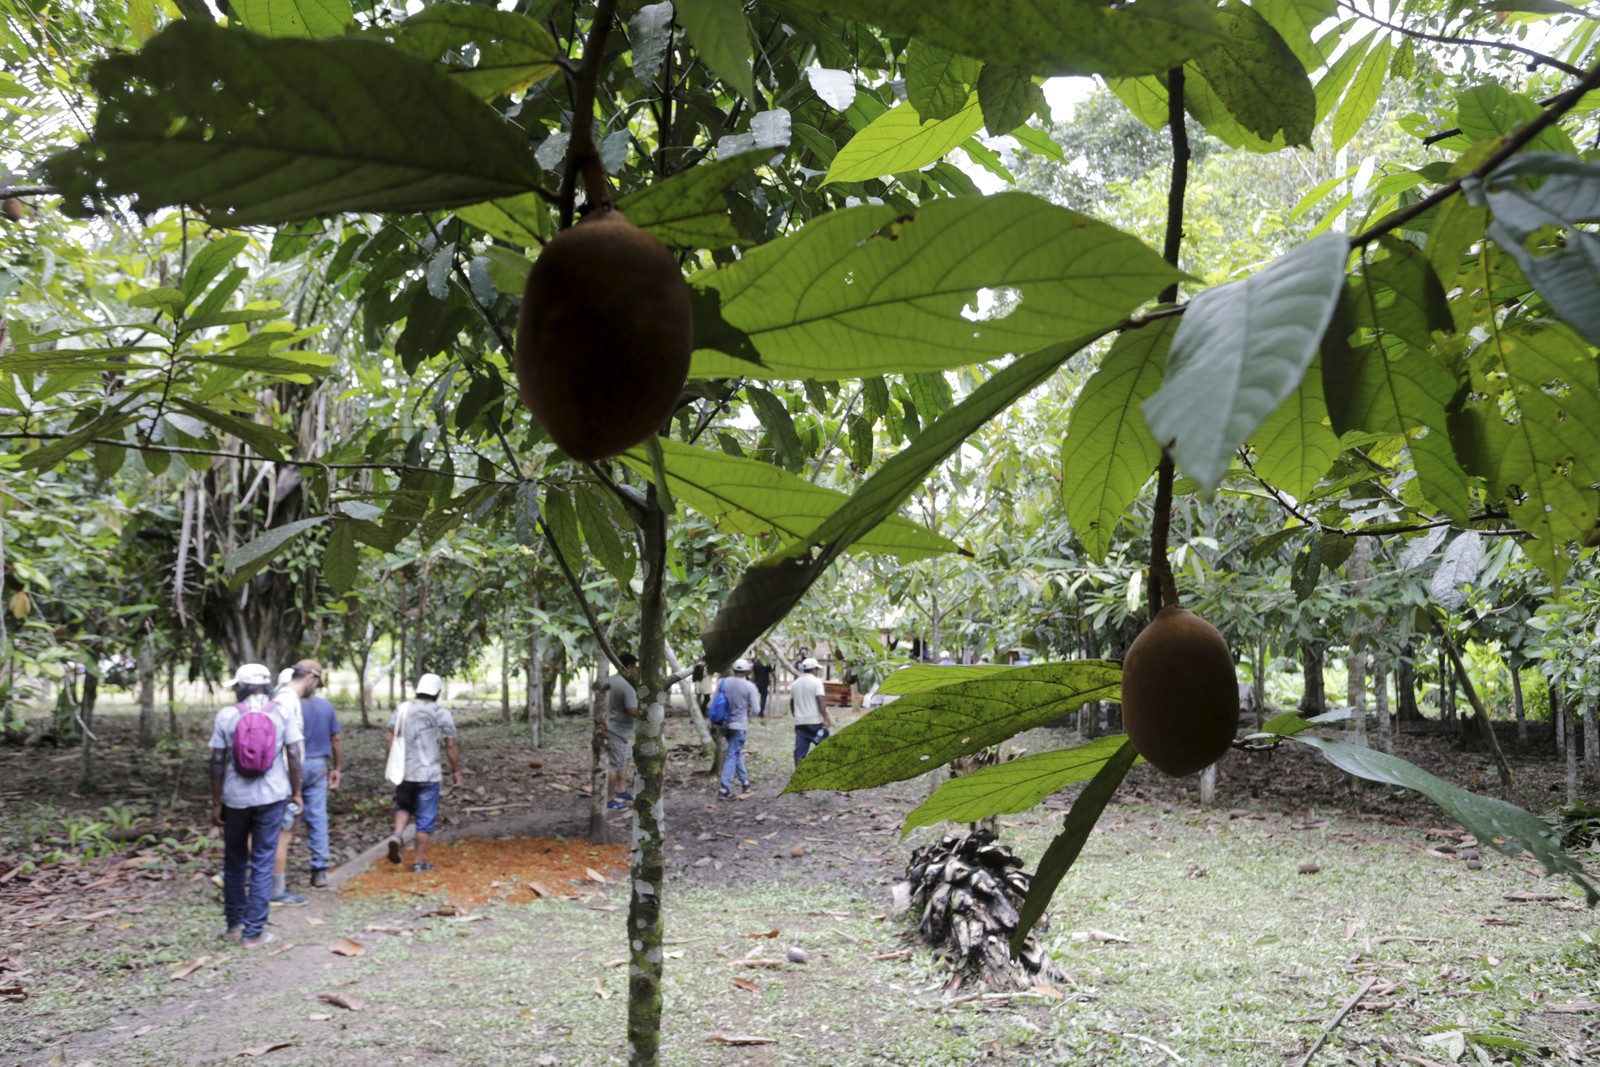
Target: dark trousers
(249,845)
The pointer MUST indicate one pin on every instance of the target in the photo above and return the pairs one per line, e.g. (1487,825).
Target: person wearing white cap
(743,701)
(811,720)
(255,774)
(423,727)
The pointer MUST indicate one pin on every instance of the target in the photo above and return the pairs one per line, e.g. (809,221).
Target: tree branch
(576,586)
(1476,42)
(582,155)
(8,192)
(248,456)
(1163,590)
(1513,144)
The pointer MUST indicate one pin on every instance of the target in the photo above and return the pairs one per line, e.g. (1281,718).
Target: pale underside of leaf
(1013,786)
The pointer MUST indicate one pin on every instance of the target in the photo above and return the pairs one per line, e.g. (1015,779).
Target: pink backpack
(255,741)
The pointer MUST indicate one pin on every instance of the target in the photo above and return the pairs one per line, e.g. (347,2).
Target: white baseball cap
(429,685)
(810,664)
(250,674)
(741,666)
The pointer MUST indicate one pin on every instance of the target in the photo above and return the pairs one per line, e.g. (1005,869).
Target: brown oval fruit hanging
(1180,693)
(605,336)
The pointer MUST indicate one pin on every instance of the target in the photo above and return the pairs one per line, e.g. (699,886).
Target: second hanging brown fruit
(605,336)
(1180,693)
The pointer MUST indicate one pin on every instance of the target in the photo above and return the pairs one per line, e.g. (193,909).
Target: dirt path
(541,981)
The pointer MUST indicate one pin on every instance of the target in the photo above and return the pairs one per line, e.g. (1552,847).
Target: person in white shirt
(294,684)
(811,720)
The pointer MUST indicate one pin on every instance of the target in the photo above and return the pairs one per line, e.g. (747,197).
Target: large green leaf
(560,520)
(720,32)
(1294,446)
(689,210)
(1108,454)
(246,560)
(508,52)
(1048,36)
(772,586)
(1493,822)
(922,679)
(1075,830)
(341,560)
(608,549)
(1541,437)
(1008,98)
(1296,22)
(1257,77)
(1538,201)
(899,140)
(523,220)
(1365,87)
(1015,785)
(269,441)
(925,730)
(293,18)
(865,291)
(242,127)
(1241,350)
(747,496)
(939,83)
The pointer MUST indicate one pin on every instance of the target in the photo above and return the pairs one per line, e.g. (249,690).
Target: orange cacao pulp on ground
(605,336)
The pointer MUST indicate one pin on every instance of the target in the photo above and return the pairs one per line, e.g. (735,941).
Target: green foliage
(861,291)
(1015,785)
(1240,352)
(1492,821)
(928,729)
(180,123)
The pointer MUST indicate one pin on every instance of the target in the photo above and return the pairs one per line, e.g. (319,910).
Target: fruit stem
(582,155)
(1163,588)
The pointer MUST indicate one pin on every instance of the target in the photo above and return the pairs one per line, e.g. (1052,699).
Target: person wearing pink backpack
(255,773)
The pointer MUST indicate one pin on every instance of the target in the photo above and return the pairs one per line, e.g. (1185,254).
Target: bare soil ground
(1231,934)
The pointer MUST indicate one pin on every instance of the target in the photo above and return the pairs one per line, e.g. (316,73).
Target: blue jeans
(249,845)
(805,737)
(733,762)
(314,786)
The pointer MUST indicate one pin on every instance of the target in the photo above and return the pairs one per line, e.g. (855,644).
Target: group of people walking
(276,753)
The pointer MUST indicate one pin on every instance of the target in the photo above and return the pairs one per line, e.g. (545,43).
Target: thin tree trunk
(1380,700)
(91,691)
(1591,742)
(1485,727)
(147,691)
(535,691)
(1314,700)
(599,833)
(1356,672)
(505,663)
(1405,684)
(403,675)
(645,926)
(1558,714)
(1569,727)
(702,729)
(363,687)
(1258,681)
(172,695)
(1516,702)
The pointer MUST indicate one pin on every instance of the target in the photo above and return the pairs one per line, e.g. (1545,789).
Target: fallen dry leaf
(601,990)
(595,876)
(343,946)
(1573,1007)
(319,1017)
(1101,937)
(903,954)
(797,851)
(539,889)
(466,918)
(189,968)
(734,1039)
(745,983)
(1309,868)
(342,1000)
(756,963)
(764,933)
(281,949)
(145,1029)
(1048,991)
(1520,897)
(15,993)
(260,1050)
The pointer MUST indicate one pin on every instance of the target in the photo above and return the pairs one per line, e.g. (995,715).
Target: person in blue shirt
(324,755)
